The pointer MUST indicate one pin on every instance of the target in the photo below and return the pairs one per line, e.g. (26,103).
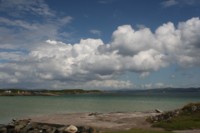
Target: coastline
(101,121)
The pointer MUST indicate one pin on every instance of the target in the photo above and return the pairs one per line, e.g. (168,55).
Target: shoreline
(102,121)
(86,122)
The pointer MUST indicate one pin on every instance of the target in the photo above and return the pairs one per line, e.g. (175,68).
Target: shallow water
(23,106)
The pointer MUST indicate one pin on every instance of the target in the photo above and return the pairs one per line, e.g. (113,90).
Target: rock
(91,130)
(10,129)
(3,130)
(61,129)
(34,131)
(18,128)
(192,107)
(158,111)
(47,129)
(82,129)
(71,129)
(23,122)
(93,114)
(26,126)
(26,129)
(54,130)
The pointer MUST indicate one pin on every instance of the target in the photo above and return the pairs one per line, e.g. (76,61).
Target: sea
(16,107)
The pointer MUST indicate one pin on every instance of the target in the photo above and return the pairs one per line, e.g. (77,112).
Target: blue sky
(99,44)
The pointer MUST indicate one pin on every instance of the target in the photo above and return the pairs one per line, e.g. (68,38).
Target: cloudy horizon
(43,44)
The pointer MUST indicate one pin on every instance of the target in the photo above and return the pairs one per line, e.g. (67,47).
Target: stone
(194,108)
(18,128)
(158,111)
(3,130)
(82,129)
(71,129)
(61,129)
(91,130)
(27,128)
(54,130)
(10,129)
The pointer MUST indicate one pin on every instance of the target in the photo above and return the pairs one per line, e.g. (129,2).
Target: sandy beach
(108,121)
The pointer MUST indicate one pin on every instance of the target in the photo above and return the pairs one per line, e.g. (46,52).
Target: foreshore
(89,122)
(86,123)
(111,121)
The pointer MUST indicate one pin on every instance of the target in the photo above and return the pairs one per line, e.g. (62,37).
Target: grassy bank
(188,118)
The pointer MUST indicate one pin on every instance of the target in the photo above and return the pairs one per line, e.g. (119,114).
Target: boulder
(82,129)
(18,128)
(10,128)
(71,129)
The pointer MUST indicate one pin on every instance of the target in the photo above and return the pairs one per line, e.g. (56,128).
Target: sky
(99,44)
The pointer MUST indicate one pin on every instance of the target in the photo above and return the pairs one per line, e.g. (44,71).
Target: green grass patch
(140,131)
(185,120)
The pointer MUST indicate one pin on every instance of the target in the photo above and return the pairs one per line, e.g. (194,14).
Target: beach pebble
(71,129)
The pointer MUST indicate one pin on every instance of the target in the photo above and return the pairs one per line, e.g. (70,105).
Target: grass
(181,122)
(189,118)
(140,131)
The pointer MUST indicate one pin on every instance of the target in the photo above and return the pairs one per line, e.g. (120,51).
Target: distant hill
(43,92)
(159,90)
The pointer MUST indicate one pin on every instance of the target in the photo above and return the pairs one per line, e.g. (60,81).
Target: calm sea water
(23,106)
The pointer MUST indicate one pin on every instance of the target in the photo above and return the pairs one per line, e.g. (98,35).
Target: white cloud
(90,62)
(129,42)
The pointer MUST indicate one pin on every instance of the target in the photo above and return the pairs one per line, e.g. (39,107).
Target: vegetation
(26,92)
(188,118)
(140,131)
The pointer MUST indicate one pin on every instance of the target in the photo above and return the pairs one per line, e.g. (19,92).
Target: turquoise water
(23,106)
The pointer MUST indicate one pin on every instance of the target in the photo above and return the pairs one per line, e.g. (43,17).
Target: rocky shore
(98,122)
(26,126)
(167,116)
(79,123)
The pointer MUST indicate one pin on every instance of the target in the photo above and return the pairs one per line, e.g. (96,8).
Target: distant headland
(27,92)
(46,92)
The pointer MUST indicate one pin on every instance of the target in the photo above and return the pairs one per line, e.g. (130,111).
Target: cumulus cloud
(91,62)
